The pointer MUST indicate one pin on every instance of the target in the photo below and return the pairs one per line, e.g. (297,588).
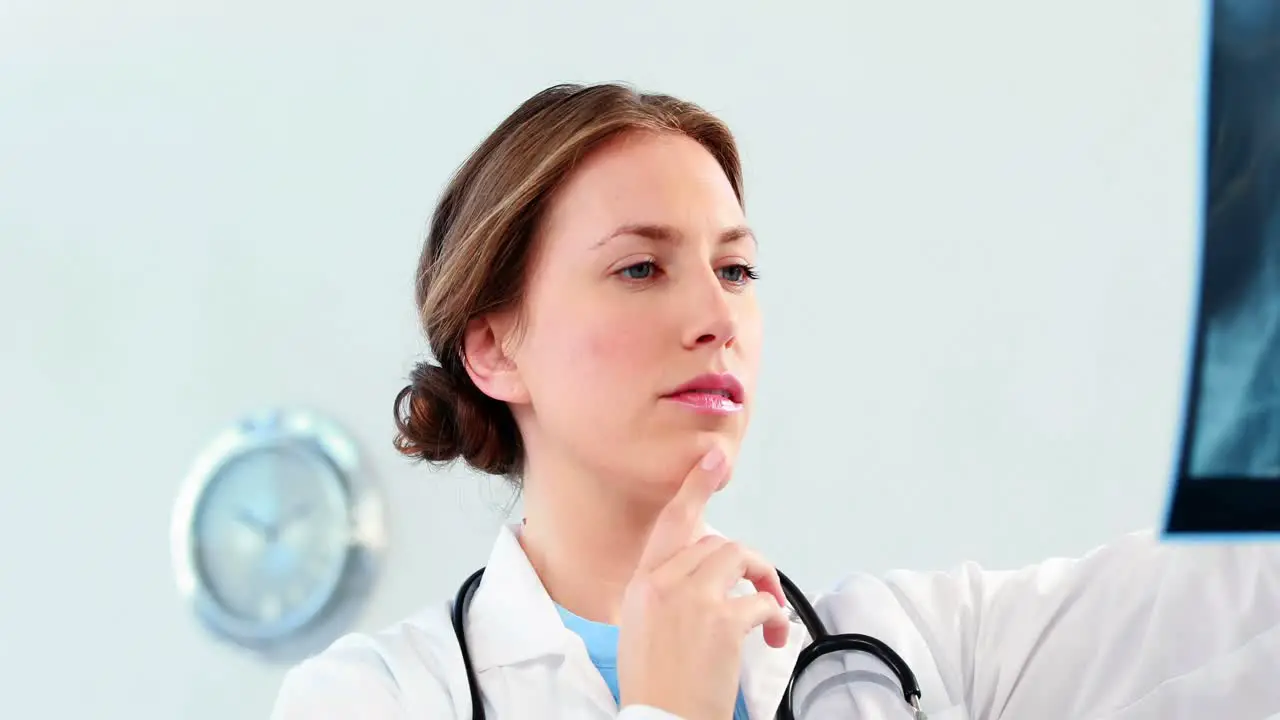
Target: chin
(670,460)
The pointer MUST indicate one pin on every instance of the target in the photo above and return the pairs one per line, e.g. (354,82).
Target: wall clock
(276,534)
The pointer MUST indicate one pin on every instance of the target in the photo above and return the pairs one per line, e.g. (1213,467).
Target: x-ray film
(1228,469)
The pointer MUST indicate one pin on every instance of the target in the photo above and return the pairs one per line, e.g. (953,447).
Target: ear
(485,348)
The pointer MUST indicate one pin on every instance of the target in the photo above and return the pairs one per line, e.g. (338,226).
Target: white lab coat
(1135,630)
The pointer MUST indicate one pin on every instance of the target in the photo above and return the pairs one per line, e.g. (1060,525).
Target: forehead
(643,178)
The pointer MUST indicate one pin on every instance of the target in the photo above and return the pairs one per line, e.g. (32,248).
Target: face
(639,340)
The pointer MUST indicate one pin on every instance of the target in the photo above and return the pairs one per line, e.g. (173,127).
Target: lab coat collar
(512,619)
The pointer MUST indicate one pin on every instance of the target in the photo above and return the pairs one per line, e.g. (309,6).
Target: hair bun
(442,416)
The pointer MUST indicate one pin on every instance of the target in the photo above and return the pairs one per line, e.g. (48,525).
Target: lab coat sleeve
(1136,629)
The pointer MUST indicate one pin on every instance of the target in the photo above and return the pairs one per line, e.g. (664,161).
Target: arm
(1136,629)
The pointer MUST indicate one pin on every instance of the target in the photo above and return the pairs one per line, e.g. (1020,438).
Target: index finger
(682,515)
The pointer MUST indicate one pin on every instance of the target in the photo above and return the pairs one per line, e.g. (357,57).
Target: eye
(639,271)
(739,274)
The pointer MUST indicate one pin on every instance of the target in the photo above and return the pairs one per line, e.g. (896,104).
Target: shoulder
(410,669)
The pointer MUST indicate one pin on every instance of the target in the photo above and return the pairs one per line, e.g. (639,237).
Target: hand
(680,636)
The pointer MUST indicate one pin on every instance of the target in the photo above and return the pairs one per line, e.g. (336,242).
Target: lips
(716,393)
(723,384)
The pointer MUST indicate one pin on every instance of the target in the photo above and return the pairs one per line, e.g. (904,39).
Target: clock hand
(253,521)
(299,512)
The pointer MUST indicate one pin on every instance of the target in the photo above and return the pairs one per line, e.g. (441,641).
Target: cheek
(594,355)
(750,336)
(616,359)
(615,350)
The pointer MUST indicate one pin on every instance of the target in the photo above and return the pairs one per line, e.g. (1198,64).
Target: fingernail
(713,459)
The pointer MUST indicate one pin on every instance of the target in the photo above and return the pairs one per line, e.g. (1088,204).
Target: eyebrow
(667,233)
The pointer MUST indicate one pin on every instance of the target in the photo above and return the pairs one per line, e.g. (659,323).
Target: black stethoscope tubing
(824,643)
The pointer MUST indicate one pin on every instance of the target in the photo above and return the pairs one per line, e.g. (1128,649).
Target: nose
(712,320)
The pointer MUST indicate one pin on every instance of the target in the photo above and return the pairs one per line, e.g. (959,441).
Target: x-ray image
(1237,402)
(1228,469)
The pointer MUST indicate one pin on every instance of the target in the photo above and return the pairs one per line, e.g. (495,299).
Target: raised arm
(1135,629)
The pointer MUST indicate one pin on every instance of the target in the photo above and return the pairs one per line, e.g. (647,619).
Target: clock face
(272,534)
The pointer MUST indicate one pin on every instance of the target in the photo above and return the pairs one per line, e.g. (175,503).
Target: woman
(586,287)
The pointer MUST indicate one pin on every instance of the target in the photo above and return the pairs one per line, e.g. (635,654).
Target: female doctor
(587,290)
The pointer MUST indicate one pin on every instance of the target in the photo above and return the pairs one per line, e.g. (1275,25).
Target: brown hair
(480,244)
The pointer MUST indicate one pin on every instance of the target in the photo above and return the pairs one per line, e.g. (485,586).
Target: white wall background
(976,222)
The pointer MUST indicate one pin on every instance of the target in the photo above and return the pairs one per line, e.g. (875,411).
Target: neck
(584,538)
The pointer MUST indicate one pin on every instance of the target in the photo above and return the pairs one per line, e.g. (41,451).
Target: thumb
(682,515)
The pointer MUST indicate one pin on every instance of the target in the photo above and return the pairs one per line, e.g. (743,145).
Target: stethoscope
(824,643)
